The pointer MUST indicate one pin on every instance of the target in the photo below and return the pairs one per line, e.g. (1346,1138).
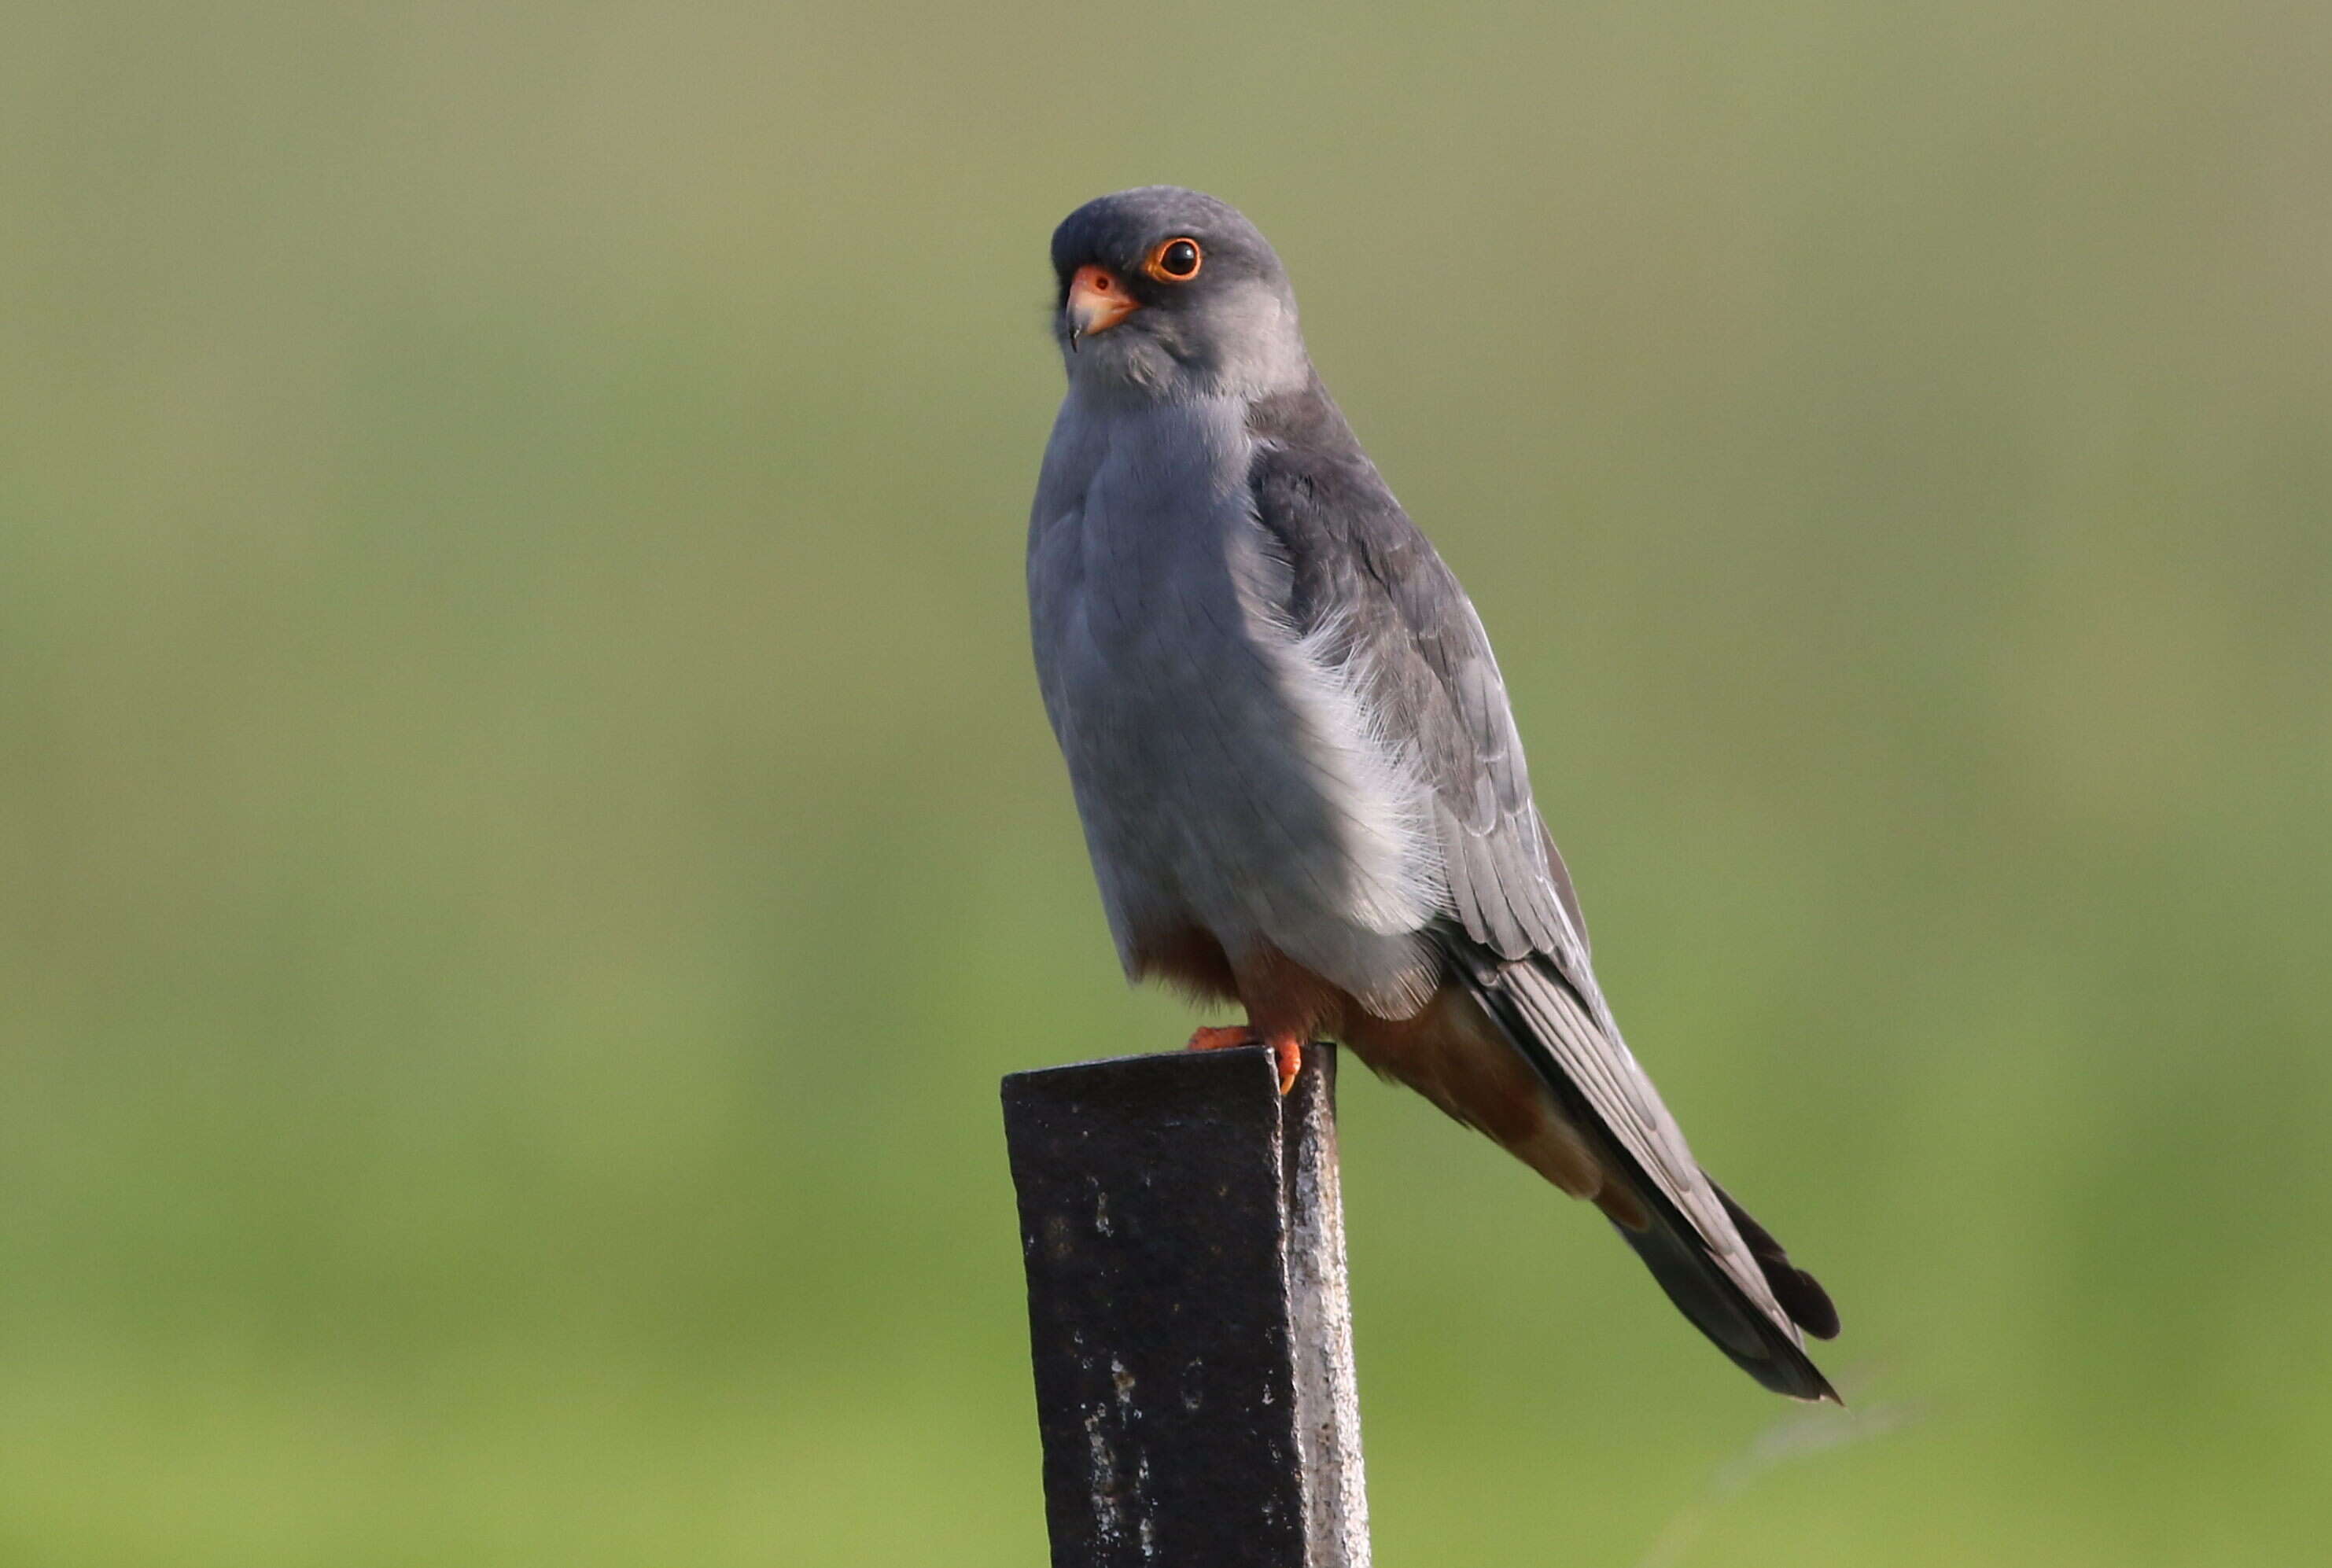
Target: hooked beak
(1097,301)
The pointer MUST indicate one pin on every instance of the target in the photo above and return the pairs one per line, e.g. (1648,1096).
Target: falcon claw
(1286,1055)
(1289,1056)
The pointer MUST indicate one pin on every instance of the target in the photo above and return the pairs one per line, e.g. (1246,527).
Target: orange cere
(1098,300)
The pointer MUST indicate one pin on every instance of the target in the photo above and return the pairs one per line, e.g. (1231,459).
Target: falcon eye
(1175,262)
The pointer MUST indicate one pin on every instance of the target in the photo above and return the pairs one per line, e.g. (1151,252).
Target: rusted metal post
(1188,1314)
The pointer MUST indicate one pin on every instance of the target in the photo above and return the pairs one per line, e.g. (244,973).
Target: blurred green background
(527,835)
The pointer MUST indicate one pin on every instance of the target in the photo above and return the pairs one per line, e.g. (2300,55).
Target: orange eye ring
(1174,261)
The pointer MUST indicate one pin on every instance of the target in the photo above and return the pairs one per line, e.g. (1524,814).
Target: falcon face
(1163,291)
(1299,777)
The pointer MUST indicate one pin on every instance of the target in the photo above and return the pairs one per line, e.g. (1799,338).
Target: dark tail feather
(1720,1267)
(1716,1305)
(1800,1293)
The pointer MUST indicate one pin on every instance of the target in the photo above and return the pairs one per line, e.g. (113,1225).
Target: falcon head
(1169,294)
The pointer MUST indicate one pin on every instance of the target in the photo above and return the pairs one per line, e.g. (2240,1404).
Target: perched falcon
(1292,750)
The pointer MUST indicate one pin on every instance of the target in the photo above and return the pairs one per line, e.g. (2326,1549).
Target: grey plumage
(1287,735)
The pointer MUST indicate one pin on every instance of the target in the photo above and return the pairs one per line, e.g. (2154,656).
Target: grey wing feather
(1359,567)
(1357,564)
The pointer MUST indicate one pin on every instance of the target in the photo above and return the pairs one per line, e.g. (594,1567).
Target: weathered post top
(1190,1329)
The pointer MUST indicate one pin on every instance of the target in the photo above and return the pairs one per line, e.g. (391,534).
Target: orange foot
(1286,1051)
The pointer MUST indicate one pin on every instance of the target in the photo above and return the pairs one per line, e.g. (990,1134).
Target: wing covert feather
(1366,586)
(1394,612)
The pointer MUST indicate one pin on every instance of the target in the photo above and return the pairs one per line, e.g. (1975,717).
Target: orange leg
(1287,1049)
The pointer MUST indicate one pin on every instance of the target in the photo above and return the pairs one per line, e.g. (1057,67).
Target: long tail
(1723,1270)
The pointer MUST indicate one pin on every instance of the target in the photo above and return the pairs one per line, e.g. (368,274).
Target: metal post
(1190,1329)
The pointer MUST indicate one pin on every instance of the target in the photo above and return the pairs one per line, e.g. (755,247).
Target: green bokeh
(527,835)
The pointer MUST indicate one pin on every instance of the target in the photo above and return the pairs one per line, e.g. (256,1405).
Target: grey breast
(1225,765)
